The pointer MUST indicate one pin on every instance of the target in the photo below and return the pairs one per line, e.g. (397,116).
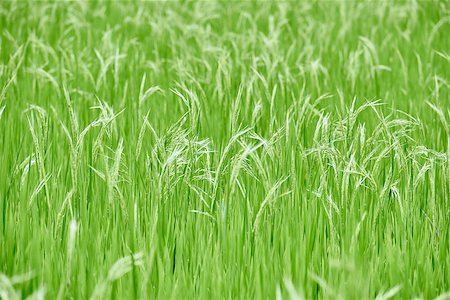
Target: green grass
(224,150)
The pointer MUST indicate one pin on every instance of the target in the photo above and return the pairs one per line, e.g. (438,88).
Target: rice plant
(215,150)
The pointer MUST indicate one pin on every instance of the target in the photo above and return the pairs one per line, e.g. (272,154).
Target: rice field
(215,150)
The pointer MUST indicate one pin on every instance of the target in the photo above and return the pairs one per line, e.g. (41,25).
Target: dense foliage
(224,150)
